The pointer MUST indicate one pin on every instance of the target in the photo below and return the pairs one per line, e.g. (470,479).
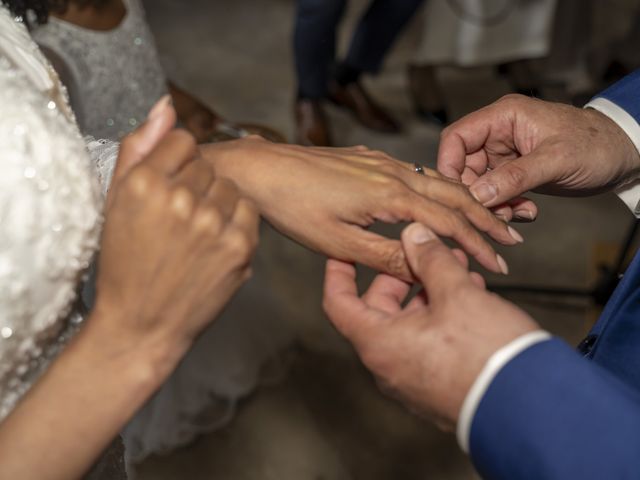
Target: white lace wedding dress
(50,217)
(114,78)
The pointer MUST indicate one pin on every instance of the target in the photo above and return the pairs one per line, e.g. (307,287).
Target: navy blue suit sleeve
(625,94)
(552,414)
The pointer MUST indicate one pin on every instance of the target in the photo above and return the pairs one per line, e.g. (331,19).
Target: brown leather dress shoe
(355,98)
(312,128)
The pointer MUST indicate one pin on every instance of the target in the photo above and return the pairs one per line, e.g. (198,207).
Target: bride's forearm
(82,402)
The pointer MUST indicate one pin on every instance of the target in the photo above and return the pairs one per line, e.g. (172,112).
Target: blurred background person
(321,77)
(472,33)
(107,58)
(595,45)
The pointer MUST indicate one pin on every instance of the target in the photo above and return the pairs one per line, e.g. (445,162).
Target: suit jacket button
(586,345)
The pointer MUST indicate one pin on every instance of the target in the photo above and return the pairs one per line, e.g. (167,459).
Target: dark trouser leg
(378,29)
(315,44)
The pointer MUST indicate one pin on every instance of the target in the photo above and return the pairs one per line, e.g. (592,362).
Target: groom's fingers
(387,294)
(349,314)
(524,210)
(461,256)
(478,280)
(433,263)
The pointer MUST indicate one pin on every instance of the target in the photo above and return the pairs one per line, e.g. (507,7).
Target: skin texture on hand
(176,245)
(428,353)
(519,144)
(326,198)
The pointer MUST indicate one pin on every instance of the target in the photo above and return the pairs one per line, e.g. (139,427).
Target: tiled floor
(326,421)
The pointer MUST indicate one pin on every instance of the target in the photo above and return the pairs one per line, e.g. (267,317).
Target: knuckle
(208,219)
(239,246)
(515,176)
(512,98)
(386,167)
(186,139)
(182,202)
(380,154)
(141,181)
(454,223)
(446,133)
(247,275)
(395,261)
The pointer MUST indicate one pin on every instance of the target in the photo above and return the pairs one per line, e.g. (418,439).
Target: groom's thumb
(510,180)
(432,262)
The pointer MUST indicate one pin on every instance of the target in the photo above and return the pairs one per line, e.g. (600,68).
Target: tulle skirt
(240,351)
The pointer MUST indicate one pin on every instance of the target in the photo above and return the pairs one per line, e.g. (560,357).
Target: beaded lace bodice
(50,208)
(117,70)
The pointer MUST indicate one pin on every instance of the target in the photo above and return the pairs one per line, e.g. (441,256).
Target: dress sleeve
(104,156)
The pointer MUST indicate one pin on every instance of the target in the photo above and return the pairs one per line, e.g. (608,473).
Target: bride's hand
(326,198)
(177,244)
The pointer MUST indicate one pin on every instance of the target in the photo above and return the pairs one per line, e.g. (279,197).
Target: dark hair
(42,8)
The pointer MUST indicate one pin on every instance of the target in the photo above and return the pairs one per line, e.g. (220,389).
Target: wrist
(623,133)
(236,161)
(145,359)
(485,377)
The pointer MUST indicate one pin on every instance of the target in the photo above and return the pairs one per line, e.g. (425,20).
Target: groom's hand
(429,353)
(518,144)
(327,198)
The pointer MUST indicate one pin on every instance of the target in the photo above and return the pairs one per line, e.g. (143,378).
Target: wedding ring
(419,169)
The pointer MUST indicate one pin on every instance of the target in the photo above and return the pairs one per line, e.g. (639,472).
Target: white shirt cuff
(630,193)
(491,369)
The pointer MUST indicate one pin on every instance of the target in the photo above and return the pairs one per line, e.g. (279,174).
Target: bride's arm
(81,403)
(154,298)
(325,198)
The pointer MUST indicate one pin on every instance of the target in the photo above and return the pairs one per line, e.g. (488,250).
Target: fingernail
(419,234)
(515,234)
(528,214)
(504,268)
(484,192)
(502,217)
(159,107)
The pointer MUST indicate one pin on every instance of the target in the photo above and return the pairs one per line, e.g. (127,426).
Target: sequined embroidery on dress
(50,216)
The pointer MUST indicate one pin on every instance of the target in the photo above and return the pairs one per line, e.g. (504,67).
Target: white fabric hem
(493,366)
